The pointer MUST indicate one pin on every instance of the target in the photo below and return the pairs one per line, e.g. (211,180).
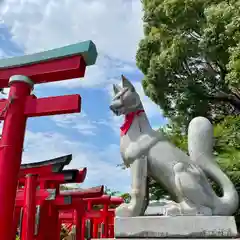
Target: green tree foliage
(190,57)
(109,192)
(65,187)
(126,196)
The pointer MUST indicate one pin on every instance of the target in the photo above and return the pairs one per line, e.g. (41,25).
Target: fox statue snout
(116,109)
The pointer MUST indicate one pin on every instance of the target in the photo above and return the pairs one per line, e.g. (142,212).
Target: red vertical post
(29,209)
(90,220)
(43,229)
(95,227)
(51,223)
(83,230)
(105,221)
(111,231)
(11,149)
(54,231)
(78,221)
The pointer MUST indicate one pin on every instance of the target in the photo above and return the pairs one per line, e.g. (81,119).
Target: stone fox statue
(150,154)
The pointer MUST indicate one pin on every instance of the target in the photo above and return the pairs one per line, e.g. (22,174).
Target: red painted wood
(57,178)
(68,215)
(49,71)
(98,200)
(48,106)
(95,192)
(81,175)
(105,221)
(11,153)
(43,170)
(29,208)
(116,200)
(52,105)
(41,194)
(62,201)
(3,105)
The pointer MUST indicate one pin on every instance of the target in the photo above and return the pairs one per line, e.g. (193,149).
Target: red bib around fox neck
(128,121)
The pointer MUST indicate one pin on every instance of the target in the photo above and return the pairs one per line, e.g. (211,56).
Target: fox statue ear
(127,84)
(116,89)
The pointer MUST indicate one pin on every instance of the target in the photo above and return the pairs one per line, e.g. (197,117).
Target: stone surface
(176,227)
(154,211)
(149,154)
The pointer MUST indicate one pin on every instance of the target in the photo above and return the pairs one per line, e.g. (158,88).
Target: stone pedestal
(184,227)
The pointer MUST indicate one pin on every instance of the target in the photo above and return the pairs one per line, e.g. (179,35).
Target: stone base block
(176,227)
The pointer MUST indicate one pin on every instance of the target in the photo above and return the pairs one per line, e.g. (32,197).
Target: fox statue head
(125,99)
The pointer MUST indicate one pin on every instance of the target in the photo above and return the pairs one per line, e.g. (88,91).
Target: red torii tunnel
(95,217)
(39,188)
(20,74)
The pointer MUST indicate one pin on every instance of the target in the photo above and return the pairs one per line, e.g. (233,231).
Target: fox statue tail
(200,147)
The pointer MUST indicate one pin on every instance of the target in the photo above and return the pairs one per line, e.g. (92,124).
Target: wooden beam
(52,105)
(49,71)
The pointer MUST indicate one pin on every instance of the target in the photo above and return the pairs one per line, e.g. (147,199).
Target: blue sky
(93,135)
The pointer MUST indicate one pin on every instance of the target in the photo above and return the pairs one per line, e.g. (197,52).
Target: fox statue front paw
(126,210)
(172,209)
(132,209)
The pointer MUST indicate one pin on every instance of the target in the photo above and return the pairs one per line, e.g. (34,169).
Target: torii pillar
(20,74)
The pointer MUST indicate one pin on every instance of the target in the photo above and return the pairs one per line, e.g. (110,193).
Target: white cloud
(2,53)
(101,163)
(99,75)
(115,26)
(79,122)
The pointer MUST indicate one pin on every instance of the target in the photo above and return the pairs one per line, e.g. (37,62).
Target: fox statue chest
(136,138)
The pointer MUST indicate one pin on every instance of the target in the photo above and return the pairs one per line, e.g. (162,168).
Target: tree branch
(227,98)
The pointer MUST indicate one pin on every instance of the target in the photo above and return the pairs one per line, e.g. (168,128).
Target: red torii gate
(73,217)
(20,74)
(95,217)
(47,176)
(102,216)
